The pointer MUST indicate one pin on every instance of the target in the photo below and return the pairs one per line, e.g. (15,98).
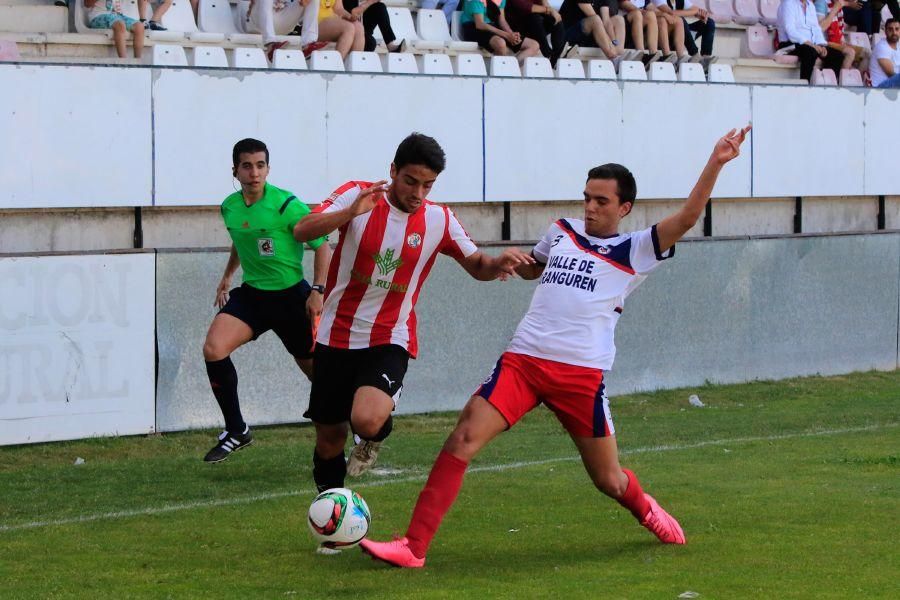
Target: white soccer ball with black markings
(339,518)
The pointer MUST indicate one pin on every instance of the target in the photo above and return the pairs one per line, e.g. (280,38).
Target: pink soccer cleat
(396,553)
(662,524)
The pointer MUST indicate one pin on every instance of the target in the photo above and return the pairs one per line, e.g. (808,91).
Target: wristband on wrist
(318,288)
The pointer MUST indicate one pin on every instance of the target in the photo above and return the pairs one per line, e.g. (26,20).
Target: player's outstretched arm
(487,268)
(316,225)
(672,228)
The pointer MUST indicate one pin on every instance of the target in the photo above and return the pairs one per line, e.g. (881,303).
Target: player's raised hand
(511,258)
(729,147)
(367,198)
(222,293)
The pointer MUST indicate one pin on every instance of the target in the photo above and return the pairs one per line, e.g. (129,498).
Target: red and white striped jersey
(378,267)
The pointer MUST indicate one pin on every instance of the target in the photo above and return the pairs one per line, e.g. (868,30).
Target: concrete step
(28,18)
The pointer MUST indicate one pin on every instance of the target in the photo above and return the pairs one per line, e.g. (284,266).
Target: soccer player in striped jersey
(390,236)
(260,219)
(563,348)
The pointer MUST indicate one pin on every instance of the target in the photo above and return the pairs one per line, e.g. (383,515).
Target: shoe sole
(227,456)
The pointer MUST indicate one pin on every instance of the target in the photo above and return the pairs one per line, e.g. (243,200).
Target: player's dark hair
(891,21)
(625,184)
(419,149)
(248,146)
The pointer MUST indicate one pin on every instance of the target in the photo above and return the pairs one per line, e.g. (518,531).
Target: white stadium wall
(89,136)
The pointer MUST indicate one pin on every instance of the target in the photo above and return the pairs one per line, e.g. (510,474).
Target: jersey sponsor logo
(386,263)
(413,240)
(266,246)
(601,249)
(379,283)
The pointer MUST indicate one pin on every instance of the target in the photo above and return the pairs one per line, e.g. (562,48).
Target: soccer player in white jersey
(390,236)
(563,347)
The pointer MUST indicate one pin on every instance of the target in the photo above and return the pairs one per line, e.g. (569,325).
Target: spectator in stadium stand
(271,17)
(373,13)
(885,66)
(448,6)
(107,14)
(484,21)
(336,25)
(704,27)
(798,26)
(866,16)
(584,27)
(831,20)
(154,24)
(644,31)
(537,20)
(671,34)
(614,22)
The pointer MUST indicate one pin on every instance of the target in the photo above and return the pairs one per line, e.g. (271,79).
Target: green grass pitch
(785,490)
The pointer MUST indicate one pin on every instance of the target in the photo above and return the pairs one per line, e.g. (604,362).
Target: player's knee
(462,442)
(330,443)
(368,427)
(214,350)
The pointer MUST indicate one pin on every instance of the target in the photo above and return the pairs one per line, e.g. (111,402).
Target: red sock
(633,499)
(434,501)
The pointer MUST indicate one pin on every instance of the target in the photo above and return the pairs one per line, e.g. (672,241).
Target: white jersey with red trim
(378,267)
(574,310)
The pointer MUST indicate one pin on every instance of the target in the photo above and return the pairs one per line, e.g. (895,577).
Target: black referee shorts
(338,373)
(282,311)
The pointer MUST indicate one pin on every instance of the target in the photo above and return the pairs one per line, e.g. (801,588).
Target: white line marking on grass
(124,514)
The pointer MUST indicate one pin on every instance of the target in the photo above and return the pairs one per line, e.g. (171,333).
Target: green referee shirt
(263,235)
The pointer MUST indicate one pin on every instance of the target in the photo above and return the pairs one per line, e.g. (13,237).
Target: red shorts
(575,394)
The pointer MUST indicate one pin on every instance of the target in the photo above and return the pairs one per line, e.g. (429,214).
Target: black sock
(383,432)
(224,380)
(329,472)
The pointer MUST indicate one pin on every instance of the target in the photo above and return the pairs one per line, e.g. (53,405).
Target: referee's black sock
(329,472)
(224,381)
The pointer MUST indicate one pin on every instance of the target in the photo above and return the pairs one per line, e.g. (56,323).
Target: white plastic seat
(720,74)
(209,56)
(537,66)
(402,63)
(249,58)
(759,42)
(289,59)
(402,24)
(433,29)
(851,78)
(169,56)
(179,19)
(569,68)
(215,16)
(768,11)
(470,64)
(601,69)
(662,71)
(691,72)
(721,11)
(436,64)
(746,12)
(363,62)
(326,60)
(505,66)
(859,38)
(588,53)
(632,70)
(456,26)
(823,77)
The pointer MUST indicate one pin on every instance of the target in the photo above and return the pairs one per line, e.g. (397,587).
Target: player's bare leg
(478,424)
(371,420)
(601,461)
(329,463)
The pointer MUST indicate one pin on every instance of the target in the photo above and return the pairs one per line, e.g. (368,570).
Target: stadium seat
(9,51)
(363,62)
(759,42)
(401,23)
(432,27)
(289,59)
(437,64)
(786,59)
(326,60)
(823,77)
(215,16)
(402,63)
(588,53)
(180,19)
(537,66)
(851,78)
(858,38)
(877,37)
(632,70)
(470,64)
(721,11)
(249,58)
(209,56)
(569,68)
(601,69)
(768,11)
(720,74)
(169,56)
(505,66)
(456,26)
(662,71)
(746,12)
(691,72)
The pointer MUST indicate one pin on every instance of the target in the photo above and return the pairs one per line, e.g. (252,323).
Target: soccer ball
(339,518)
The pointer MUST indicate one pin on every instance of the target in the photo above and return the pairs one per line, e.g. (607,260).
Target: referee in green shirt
(260,219)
